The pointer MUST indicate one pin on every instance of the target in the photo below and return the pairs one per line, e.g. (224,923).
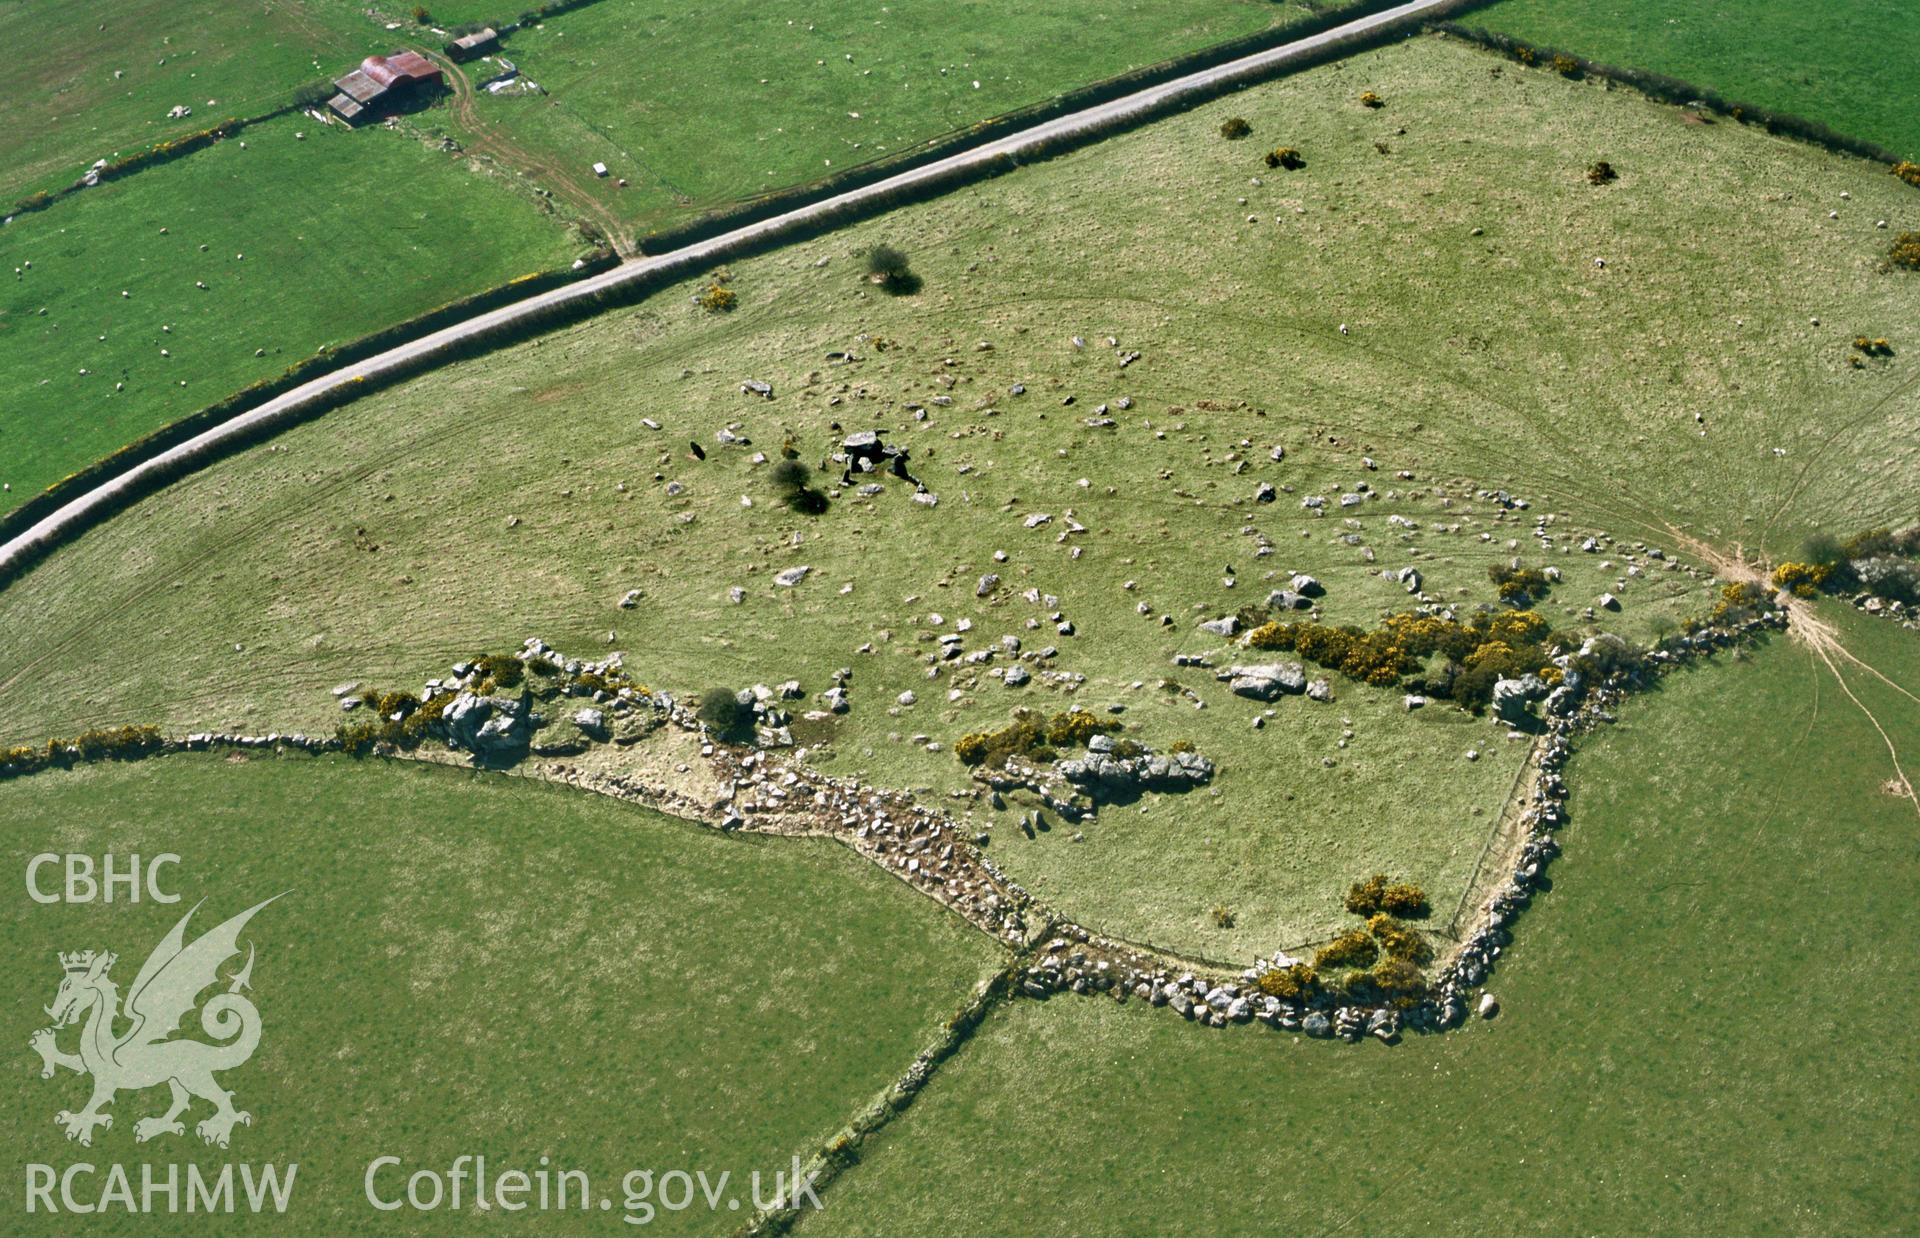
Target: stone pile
(1104,774)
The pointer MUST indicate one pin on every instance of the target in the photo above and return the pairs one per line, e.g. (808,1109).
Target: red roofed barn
(381,78)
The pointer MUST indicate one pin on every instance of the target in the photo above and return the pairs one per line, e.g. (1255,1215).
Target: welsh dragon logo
(142,1056)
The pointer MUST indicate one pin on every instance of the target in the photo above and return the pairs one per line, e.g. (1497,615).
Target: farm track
(489,141)
(450,343)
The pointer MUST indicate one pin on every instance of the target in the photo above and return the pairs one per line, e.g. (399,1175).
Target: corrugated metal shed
(361,87)
(468,45)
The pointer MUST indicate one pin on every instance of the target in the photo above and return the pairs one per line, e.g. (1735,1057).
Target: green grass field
(524,494)
(700,107)
(1826,62)
(468,964)
(1703,1027)
(87,82)
(300,243)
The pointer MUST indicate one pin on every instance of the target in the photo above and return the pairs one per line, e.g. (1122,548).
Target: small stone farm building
(381,80)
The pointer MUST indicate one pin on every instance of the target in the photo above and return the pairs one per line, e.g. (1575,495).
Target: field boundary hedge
(164,151)
(842,1151)
(725,219)
(1664,89)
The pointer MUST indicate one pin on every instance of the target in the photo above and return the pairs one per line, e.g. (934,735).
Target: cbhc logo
(82,886)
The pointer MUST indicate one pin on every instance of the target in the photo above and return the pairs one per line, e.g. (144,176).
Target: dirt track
(487,140)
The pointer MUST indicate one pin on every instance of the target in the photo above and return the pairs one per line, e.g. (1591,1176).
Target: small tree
(1233,128)
(887,266)
(790,479)
(420,15)
(721,710)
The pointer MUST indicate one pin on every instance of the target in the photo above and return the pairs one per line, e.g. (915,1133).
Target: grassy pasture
(300,243)
(524,494)
(64,107)
(475,964)
(700,107)
(1703,1027)
(1827,62)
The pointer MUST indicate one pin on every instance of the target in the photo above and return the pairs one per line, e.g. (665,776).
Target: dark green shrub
(1285,157)
(505,670)
(1222,916)
(789,475)
(725,716)
(1233,128)
(790,478)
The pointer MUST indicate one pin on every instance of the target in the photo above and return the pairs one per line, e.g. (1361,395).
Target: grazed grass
(697,107)
(88,81)
(523,494)
(300,243)
(1834,63)
(478,965)
(1703,1025)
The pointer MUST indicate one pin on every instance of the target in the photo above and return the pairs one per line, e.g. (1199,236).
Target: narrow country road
(78,514)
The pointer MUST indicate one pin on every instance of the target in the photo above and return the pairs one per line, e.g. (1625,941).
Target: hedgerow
(116,743)
(1664,89)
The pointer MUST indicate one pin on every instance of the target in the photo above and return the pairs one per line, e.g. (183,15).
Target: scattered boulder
(1512,696)
(1265,683)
